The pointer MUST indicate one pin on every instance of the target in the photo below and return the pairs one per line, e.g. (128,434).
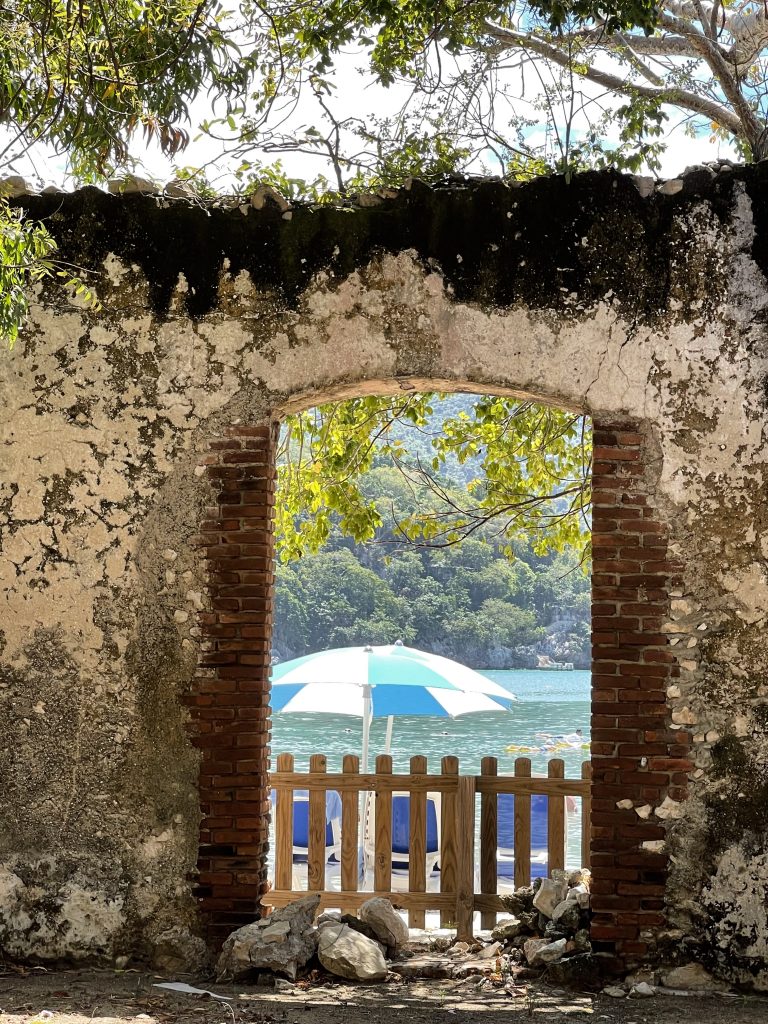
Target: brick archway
(637,759)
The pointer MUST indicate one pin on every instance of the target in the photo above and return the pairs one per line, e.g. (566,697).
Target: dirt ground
(118,997)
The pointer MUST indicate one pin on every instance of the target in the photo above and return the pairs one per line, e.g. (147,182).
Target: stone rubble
(350,954)
(283,942)
(385,921)
(547,940)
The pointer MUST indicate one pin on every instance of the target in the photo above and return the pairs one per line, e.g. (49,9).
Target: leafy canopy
(524,466)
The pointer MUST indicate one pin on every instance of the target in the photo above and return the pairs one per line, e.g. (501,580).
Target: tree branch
(671,95)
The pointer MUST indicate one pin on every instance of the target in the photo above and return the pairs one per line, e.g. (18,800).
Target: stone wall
(120,432)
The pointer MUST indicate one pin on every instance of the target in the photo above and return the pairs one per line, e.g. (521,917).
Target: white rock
(671,188)
(644,811)
(549,953)
(489,952)
(13,186)
(277,932)
(364,199)
(265,192)
(669,809)
(614,992)
(691,978)
(654,845)
(179,188)
(552,891)
(642,991)
(644,185)
(684,716)
(624,805)
(531,948)
(283,942)
(176,950)
(348,954)
(131,184)
(388,925)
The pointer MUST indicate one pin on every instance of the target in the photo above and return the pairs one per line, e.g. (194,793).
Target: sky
(356,95)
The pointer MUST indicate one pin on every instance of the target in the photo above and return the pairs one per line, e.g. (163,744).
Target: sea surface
(554,703)
(548,702)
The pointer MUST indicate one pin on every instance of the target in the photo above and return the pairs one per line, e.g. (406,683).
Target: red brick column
(636,756)
(230,702)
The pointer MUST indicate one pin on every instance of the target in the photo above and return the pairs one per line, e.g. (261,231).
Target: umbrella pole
(367,716)
(388,741)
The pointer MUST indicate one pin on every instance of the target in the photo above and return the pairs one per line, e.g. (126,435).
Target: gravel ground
(119,997)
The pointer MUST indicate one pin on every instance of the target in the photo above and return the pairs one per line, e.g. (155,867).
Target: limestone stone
(283,942)
(177,951)
(644,185)
(566,914)
(642,991)
(531,948)
(348,954)
(669,809)
(506,930)
(551,892)
(614,992)
(547,953)
(12,186)
(132,183)
(691,978)
(389,926)
(363,927)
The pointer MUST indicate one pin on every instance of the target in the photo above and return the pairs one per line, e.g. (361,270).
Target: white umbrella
(381,682)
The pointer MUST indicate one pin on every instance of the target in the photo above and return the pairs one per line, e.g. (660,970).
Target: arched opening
(630,672)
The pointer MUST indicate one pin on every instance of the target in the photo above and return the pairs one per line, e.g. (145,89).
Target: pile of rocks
(350,947)
(550,928)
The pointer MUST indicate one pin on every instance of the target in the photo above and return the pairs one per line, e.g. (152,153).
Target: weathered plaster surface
(584,295)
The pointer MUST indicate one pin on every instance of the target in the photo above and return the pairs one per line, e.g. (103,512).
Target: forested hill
(468,601)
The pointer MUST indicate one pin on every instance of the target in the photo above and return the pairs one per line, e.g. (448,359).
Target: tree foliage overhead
(83,75)
(483,86)
(494,467)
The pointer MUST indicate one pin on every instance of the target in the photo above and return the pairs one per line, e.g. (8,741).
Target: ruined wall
(642,310)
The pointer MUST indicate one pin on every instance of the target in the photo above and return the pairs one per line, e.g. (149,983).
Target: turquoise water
(551,702)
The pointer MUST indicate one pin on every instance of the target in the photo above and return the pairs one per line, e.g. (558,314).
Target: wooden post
(350,800)
(488,841)
(586,816)
(449,828)
(316,852)
(522,826)
(556,833)
(382,865)
(417,855)
(284,829)
(465,888)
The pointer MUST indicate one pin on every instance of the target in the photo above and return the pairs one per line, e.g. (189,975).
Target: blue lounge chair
(401,841)
(505,854)
(301,832)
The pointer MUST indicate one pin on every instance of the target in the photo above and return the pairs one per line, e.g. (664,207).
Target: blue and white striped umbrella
(381,682)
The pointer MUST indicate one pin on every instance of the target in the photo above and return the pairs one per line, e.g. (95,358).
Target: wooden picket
(457,900)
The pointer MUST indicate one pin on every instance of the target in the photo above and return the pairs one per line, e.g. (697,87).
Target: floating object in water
(546,748)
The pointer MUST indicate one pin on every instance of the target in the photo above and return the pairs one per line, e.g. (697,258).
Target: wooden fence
(456,899)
